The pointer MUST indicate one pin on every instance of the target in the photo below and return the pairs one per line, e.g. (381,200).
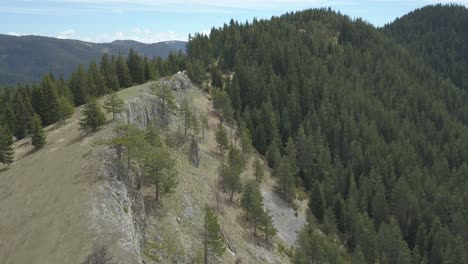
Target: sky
(152,21)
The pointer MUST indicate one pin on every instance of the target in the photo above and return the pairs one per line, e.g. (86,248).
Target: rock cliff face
(119,204)
(146,109)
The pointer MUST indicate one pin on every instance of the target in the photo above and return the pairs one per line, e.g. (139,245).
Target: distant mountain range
(27,58)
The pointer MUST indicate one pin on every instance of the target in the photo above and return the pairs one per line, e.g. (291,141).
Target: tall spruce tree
(213,240)
(6,149)
(38,139)
(136,67)
(79,86)
(123,73)
(113,104)
(93,118)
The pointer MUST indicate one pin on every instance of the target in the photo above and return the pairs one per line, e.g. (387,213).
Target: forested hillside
(53,99)
(439,34)
(377,136)
(27,58)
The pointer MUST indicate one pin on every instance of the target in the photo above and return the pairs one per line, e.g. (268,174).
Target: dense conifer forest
(377,135)
(438,34)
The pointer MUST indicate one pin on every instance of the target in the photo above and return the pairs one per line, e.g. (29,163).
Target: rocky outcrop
(119,204)
(146,109)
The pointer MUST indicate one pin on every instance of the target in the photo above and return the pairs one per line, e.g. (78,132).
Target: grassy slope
(176,225)
(45,197)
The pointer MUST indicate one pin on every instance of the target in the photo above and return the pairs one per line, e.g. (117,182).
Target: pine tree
(258,170)
(166,99)
(380,210)
(317,202)
(268,226)
(194,152)
(286,179)
(213,239)
(186,113)
(148,72)
(50,100)
(6,149)
(256,211)
(203,124)
(273,155)
(222,139)
(247,198)
(93,118)
(232,172)
(246,143)
(113,104)
(78,86)
(96,77)
(222,104)
(123,74)
(329,222)
(158,168)
(38,136)
(65,109)
(136,67)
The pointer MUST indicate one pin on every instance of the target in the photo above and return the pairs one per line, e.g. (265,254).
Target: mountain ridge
(26,58)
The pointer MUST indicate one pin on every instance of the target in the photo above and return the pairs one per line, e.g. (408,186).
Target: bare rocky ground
(61,201)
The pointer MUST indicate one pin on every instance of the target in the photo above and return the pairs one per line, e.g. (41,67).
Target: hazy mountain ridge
(27,58)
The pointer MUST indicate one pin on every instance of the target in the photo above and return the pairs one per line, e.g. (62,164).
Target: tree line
(26,108)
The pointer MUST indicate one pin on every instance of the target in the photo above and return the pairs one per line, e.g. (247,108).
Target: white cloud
(13,34)
(139,34)
(67,34)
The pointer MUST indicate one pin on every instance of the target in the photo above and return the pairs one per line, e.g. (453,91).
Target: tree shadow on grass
(81,137)
(4,169)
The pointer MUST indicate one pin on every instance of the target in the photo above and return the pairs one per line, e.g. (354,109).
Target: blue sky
(157,20)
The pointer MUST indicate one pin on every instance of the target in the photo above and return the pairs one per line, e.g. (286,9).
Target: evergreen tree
(113,104)
(247,198)
(232,172)
(79,86)
(286,179)
(329,222)
(158,168)
(268,226)
(258,170)
(95,77)
(149,75)
(186,113)
(37,133)
(380,210)
(194,152)
(93,118)
(246,143)
(136,67)
(166,99)
(273,155)
(317,202)
(123,74)
(203,124)
(213,239)
(65,109)
(222,104)
(6,149)
(50,101)
(221,139)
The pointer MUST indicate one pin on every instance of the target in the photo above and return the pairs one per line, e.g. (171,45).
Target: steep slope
(439,34)
(381,139)
(64,201)
(28,58)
